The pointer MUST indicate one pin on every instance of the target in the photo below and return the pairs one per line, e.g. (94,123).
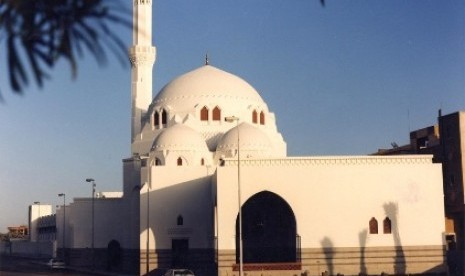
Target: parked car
(56,264)
(179,272)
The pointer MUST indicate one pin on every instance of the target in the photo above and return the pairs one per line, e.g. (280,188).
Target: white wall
(185,191)
(333,198)
(110,222)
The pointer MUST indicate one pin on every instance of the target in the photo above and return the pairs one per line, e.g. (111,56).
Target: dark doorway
(180,253)
(113,255)
(268,230)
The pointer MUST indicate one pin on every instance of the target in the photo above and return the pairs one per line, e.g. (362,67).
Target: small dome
(251,139)
(205,84)
(179,137)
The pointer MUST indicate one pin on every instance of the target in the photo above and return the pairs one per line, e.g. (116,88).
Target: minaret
(142,56)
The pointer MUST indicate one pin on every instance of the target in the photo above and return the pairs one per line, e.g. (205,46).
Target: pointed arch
(373,226)
(179,161)
(216,114)
(164,117)
(204,114)
(387,226)
(254,116)
(262,118)
(156,119)
(269,230)
(180,221)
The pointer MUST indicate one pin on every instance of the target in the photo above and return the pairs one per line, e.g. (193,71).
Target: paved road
(17,266)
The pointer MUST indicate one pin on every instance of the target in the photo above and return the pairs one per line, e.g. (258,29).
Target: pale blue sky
(348,78)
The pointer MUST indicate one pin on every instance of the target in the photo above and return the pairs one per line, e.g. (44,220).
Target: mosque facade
(209,187)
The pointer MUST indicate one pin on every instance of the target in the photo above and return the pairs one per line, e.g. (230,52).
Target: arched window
(179,161)
(204,114)
(156,119)
(157,162)
(216,114)
(202,161)
(387,226)
(254,116)
(373,226)
(164,117)
(262,118)
(180,220)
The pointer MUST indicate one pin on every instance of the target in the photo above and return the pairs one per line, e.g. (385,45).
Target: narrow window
(373,226)
(216,114)
(262,118)
(157,162)
(387,226)
(202,161)
(156,119)
(180,220)
(204,114)
(164,116)
(254,116)
(179,161)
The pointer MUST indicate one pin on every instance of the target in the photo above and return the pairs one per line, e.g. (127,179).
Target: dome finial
(206,59)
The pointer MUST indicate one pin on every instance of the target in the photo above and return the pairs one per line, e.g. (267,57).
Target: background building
(446,142)
(36,211)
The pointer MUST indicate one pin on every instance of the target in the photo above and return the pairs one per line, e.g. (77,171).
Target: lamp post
(241,254)
(91,180)
(147,218)
(64,221)
(147,268)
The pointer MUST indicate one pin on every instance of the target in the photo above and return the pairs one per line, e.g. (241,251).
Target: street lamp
(64,220)
(91,180)
(241,254)
(148,183)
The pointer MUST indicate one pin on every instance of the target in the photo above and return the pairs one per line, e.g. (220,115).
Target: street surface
(18,266)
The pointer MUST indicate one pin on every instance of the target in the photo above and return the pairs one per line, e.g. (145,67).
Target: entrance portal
(268,230)
(180,253)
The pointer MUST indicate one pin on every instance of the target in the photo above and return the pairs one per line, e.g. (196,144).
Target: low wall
(27,248)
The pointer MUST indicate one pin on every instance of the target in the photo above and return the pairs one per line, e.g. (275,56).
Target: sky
(344,79)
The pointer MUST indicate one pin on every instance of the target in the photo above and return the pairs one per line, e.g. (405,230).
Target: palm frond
(39,33)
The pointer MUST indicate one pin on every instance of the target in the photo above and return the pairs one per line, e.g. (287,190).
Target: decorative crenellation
(142,2)
(210,96)
(333,160)
(142,55)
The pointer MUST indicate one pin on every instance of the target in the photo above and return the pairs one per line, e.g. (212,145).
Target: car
(179,272)
(56,264)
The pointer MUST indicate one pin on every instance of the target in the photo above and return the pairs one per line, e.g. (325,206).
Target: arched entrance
(268,230)
(113,254)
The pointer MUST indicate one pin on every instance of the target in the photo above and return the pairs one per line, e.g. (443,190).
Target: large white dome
(203,85)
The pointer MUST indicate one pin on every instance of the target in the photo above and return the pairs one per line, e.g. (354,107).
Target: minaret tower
(142,56)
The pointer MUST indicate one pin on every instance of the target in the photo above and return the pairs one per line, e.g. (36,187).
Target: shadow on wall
(391,210)
(362,238)
(327,245)
(192,195)
(399,262)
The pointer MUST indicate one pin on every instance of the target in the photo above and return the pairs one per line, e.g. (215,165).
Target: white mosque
(206,145)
